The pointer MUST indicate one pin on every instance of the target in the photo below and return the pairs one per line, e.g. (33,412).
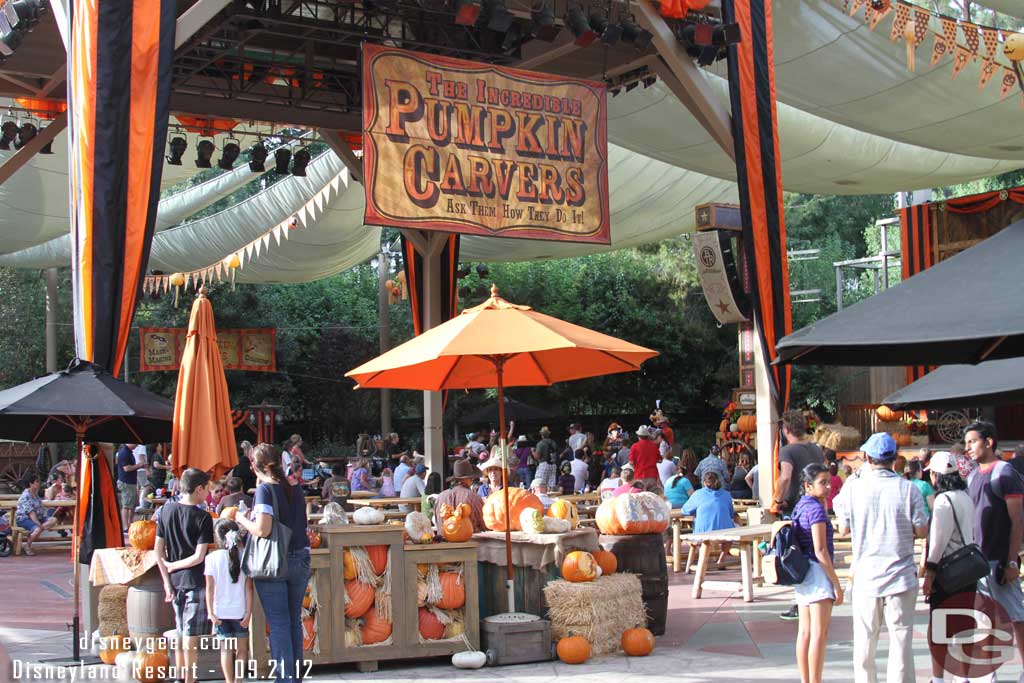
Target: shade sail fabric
(204,436)
(966,309)
(541,350)
(33,411)
(993,382)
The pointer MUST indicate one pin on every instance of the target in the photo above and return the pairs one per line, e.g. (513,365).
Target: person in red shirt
(644,457)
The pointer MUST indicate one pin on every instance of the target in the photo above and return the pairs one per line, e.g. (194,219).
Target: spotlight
(635,36)
(542,23)
(282,157)
(229,155)
(649,81)
(23,14)
(609,32)
(299,163)
(257,156)
(580,27)
(726,34)
(632,86)
(204,152)
(47,148)
(499,18)
(25,133)
(177,145)
(615,91)
(8,132)
(467,12)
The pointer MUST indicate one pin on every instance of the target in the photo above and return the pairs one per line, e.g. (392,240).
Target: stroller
(5,536)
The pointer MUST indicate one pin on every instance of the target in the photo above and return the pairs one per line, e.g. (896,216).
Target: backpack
(784,564)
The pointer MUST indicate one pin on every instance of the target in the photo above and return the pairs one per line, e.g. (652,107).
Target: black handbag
(963,567)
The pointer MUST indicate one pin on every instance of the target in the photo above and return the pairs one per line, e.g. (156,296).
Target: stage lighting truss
(630,81)
(18,17)
(706,40)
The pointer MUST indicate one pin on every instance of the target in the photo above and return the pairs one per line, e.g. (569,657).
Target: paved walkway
(718,638)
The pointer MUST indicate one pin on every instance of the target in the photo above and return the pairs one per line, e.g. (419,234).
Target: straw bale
(838,437)
(113,610)
(597,610)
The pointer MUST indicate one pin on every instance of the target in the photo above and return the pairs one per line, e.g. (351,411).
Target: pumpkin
(554,525)
(229,512)
(887,414)
(1013,46)
(607,561)
(315,540)
(532,521)
(360,598)
(123,667)
(457,525)
(565,509)
(723,426)
(901,439)
(112,646)
(307,599)
(142,534)
(518,500)
(637,642)
(150,667)
(579,566)
(431,627)
(456,628)
(368,515)
(375,629)
(378,558)
(417,526)
(747,423)
(350,565)
(633,513)
(453,591)
(474,659)
(573,649)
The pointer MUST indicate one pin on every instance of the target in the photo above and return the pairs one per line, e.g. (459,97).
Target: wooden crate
(441,553)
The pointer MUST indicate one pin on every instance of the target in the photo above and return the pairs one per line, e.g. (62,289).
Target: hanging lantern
(402,283)
(910,36)
(1013,48)
(206,126)
(177,281)
(42,109)
(232,262)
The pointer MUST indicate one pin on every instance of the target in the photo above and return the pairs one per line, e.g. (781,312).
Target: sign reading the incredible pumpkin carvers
(243,349)
(485,150)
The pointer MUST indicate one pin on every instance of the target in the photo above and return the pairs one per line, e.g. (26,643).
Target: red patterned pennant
(939,49)
(960,58)
(856,5)
(949,31)
(971,36)
(921,19)
(877,16)
(1008,84)
(988,70)
(900,21)
(991,39)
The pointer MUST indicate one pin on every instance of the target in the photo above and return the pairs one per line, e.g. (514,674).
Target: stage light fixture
(177,146)
(204,152)
(632,86)
(542,23)
(609,32)
(282,157)
(634,35)
(726,34)
(649,81)
(8,133)
(229,155)
(499,19)
(708,55)
(25,133)
(467,12)
(257,157)
(615,91)
(577,22)
(300,161)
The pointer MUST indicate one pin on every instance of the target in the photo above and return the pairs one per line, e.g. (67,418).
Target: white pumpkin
(418,527)
(473,659)
(532,521)
(368,515)
(554,525)
(123,667)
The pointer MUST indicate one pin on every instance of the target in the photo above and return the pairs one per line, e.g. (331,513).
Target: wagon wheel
(731,445)
(950,425)
(13,475)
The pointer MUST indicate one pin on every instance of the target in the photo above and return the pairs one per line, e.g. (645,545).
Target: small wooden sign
(718,216)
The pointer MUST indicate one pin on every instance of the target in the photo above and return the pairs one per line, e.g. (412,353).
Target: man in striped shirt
(884,513)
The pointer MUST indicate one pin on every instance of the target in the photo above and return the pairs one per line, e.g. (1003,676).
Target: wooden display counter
(327,569)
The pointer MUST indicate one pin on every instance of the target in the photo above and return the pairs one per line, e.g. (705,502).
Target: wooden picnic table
(577,498)
(383,502)
(746,539)
(679,523)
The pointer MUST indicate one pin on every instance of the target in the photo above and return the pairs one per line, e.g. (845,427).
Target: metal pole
(839,288)
(885,256)
(383,271)
(499,364)
(51,320)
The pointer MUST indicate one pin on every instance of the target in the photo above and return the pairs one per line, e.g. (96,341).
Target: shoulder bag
(962,567)
(267,558)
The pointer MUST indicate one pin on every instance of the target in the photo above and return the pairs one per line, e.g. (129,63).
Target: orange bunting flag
(856,5)
(991,39)
(921,19)
(949,32)
(988,70)
(971,35)
(900,21)
(1009,83)
(939,49)
(960,59)
(877,16)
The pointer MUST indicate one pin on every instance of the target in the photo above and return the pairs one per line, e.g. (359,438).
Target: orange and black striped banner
(916,255)
(759,175)
(449,259)
(119,83)
(99,520)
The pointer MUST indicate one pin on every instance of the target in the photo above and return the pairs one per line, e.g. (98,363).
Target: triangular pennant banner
(856,5)
(335,180)
(939,49)
(318,200)
(877,17)
(277,235)
(1008,84)
(248,250)
(991,39)
(960,59)
(258,245)
(971,36)
(921,19)
(899,22)
(266,241)
(304,215)
(988,70)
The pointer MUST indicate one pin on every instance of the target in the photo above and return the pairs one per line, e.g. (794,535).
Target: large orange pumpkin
(315,540)
(887,414)
(747,423)
(518,500)
(457,524)
(142,534)
(350,565)
(150,667)
(573,649)
(637,642)
(378,558)
(431,627)
(112,646)
(633,513)
(229,512)
(375,629)
(607,561)
(360,598)
(565,509)
(579,566)
(453,591)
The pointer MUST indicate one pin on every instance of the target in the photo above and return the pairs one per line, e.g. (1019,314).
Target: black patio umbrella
(966,309)
(85,402)
(514,410)
(993,382)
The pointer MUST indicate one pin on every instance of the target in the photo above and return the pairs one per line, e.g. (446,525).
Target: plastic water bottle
(762,547)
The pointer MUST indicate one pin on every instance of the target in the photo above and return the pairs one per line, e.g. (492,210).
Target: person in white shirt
(140,459)
(229,598)
(403,470)
(576,437)
(667,467)
(609,484)
(580,469)
(413,487)
(539,488)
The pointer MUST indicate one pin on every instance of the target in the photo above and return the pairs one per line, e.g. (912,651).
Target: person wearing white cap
(539,488)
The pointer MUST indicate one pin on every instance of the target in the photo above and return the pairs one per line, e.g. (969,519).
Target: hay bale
(113,610)
(597,610)
(838,437)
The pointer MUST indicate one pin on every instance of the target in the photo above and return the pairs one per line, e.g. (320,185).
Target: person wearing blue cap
(883,513)
(413,486)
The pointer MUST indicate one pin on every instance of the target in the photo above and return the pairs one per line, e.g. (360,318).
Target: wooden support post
(767,423)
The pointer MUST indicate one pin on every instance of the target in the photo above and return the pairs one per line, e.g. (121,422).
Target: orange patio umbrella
(204,436)
(499,344)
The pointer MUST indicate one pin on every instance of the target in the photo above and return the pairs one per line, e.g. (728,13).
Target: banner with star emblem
(718,275)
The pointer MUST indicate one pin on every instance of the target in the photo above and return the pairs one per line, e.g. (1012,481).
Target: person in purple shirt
(820,590)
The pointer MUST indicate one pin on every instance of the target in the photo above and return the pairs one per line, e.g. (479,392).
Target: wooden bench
(51,536)
(746,540)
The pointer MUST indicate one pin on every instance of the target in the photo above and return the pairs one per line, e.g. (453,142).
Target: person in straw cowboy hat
(464,473)
(492,471)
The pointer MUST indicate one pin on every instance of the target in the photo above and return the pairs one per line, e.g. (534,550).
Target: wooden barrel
(148,615)
(644,555)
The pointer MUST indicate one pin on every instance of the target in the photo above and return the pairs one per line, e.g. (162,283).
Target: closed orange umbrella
(499,344)
(204,437)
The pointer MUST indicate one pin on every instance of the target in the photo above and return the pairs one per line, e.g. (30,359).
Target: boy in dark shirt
(183,535)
